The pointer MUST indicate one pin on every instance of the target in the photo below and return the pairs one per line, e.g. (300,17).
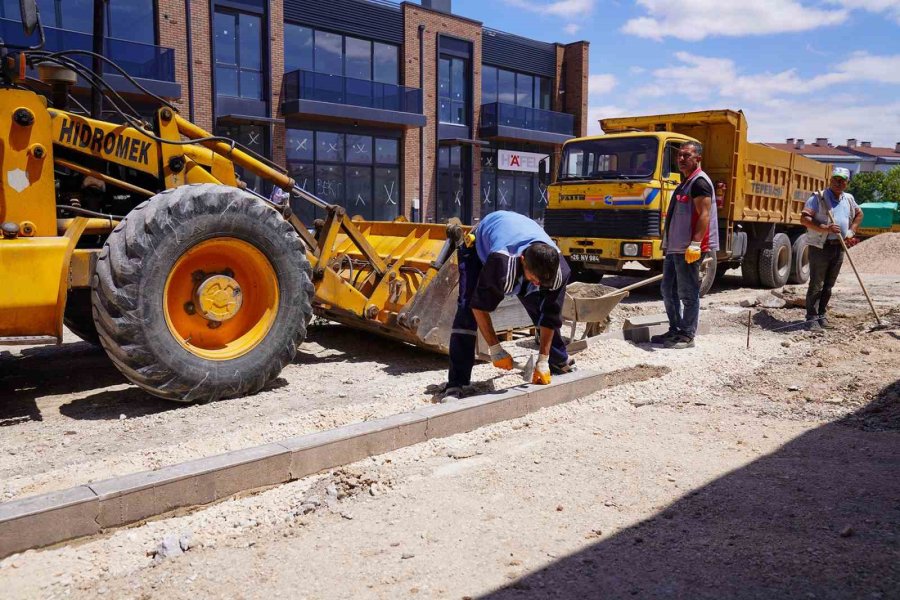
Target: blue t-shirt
(508,233)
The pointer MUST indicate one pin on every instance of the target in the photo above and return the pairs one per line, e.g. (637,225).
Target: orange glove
(500,358)
(541,375)
(693,252)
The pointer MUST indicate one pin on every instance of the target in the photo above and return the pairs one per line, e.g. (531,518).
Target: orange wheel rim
(221,298)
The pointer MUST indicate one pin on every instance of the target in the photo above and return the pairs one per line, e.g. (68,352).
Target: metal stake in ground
(855,272)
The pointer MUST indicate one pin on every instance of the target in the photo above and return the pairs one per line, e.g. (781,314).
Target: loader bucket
(414,301)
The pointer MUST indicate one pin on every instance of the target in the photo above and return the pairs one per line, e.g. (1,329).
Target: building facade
(874,158)
(389,109)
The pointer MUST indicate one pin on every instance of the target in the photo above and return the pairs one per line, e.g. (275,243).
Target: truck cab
(608,203)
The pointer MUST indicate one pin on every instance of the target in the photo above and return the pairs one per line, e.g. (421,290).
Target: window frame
(263,56)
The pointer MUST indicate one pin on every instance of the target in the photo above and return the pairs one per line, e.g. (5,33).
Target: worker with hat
(507,254)
(824,233)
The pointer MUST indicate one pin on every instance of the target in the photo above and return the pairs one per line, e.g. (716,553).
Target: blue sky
(797,68)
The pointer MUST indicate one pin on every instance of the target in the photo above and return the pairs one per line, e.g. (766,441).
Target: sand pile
(879,254)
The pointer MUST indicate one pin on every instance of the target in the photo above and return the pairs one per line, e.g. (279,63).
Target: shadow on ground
(819,518)
(49,370)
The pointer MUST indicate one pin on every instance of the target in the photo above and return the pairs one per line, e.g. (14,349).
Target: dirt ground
(768,472)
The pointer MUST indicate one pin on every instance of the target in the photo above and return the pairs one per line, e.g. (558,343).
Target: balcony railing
(498,114)
(137,59)
(322,87)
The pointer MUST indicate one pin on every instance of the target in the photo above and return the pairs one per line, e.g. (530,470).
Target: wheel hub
(219,298)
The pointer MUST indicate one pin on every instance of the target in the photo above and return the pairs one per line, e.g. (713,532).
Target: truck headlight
(629,249)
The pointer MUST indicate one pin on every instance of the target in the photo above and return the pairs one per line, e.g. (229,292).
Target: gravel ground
(755,473)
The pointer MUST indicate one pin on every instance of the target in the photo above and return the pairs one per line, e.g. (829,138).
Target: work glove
(693,252)
(541,374)
(850,234)
(500,358)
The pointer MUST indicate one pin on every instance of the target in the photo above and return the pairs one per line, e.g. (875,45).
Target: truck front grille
(595,223)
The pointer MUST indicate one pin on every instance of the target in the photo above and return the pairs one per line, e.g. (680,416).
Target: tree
(890,187)
(867,187)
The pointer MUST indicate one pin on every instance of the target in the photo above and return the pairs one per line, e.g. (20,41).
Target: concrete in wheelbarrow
(89,509)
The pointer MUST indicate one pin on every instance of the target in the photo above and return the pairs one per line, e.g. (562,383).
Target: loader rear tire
(79,317)
(203,292)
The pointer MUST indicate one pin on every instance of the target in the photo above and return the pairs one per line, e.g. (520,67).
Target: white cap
(841,172)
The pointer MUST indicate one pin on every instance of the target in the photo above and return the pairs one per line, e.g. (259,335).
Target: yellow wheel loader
(141,237)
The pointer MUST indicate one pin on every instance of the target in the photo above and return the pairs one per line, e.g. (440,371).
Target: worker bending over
(510,255)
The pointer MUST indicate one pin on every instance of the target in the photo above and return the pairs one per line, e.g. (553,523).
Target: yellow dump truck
(608,204)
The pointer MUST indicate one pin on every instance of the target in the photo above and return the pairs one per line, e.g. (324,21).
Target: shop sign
(510,160)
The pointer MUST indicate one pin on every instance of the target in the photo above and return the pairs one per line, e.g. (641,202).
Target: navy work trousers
(464,334)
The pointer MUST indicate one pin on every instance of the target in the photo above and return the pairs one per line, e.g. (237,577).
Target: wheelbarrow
(591,304)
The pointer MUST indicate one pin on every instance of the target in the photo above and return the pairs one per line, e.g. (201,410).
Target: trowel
(526,368)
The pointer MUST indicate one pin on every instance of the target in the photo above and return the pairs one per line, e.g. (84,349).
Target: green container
(879,215)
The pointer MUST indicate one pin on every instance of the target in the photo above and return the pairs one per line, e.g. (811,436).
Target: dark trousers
(681,294)
(824,268)
(464,334)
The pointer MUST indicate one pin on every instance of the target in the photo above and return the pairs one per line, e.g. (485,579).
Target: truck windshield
(609,158)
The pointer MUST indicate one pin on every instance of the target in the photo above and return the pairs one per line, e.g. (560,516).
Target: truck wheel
(707,272)
(775,262)
(202,292)
(78,316)
(800,260)
(750,268)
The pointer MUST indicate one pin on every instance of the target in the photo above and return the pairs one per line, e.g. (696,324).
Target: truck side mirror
(29,11)
(543,175)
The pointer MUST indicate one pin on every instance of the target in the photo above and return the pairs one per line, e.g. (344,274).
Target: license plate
(595,258)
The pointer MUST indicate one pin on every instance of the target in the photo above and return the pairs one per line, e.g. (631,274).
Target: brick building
(388,109)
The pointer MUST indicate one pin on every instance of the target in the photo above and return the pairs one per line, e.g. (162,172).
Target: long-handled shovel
(855,272)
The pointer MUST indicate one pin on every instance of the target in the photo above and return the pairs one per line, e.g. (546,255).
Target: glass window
(133,20)
(298,48)
(251,84)
(455,156)
(443,157)
(505,191)
(386,151)
(506,87)
(250,37)
(238,41)
(524,90)
(358,58)
(329,53)
(298,144)
(330,183)
(542,86)
(386,63)
(387,194)
(457,80)
(609,159)
(77,15)
(330,146)
(488,85)
(359,191)
(227,81)
(304,176)
(444,78)
(226,38)
(359,149)
(488,191)
(522,204)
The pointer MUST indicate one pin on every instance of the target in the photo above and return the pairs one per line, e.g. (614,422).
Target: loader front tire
(79,317)
(203,292)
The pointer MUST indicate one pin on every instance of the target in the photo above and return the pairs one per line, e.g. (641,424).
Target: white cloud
(601,84)
(701,77)
(595,113)
(890,7)
(572,28)
(835,121)
(695,20)
(559,8)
